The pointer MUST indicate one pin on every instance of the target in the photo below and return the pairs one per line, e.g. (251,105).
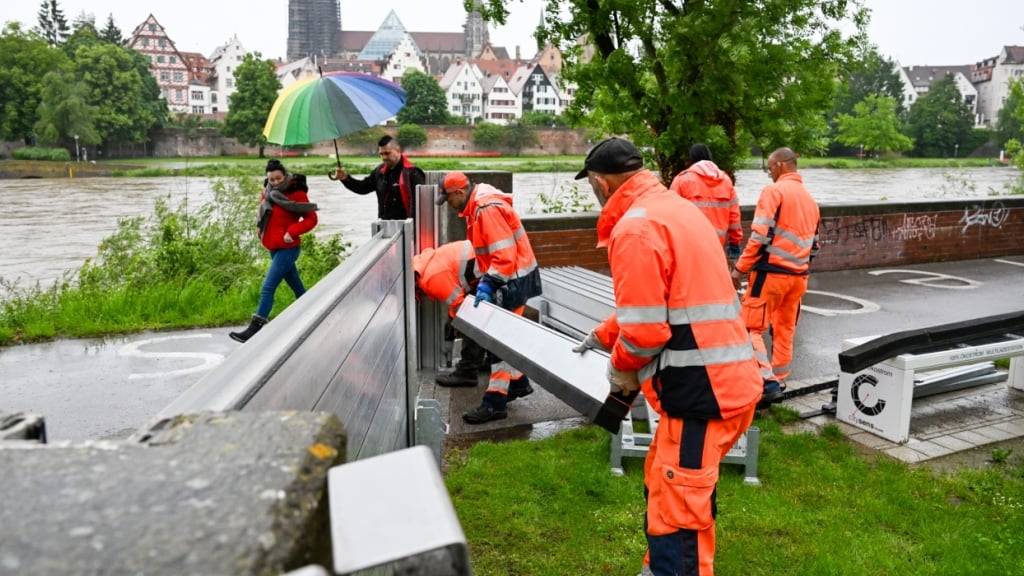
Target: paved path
(107,387)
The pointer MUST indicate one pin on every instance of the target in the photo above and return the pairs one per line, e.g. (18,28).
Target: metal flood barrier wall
(348,347)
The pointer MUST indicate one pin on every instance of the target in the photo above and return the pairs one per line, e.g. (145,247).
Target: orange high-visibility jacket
(444,274)
(503,252)
(711,190)
(677,319)
(784,233)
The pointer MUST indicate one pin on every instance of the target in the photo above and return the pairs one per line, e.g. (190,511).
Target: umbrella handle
(337,156)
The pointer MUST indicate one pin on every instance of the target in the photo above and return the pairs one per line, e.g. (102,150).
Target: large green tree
(425,102)
(1010,123)
(730,73)
(65,113)
(940,122)
(118,91)
(874,125)
(52,24)
(22,56)
(111,33)
(868,73)
(256,87)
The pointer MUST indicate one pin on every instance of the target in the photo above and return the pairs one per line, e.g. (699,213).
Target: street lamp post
(78,151)
(956,150)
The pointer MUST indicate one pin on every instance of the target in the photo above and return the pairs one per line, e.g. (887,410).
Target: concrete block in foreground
(209,493)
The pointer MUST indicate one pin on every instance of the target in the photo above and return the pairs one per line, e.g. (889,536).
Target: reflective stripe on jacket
(444,274)
(711,190)
(784,232)
(677,319)
(503,252)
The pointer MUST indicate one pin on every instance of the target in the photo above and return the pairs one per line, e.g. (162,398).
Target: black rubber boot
(255,324)
(492,408)
(519,388)
(772,393)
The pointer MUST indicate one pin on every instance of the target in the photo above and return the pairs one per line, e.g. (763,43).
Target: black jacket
(399,202)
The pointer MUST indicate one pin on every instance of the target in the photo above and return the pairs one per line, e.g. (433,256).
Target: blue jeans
(282,267)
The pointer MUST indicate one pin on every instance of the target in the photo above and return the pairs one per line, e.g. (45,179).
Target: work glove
(732,252)
(589,343)
(484,293)
(622,381)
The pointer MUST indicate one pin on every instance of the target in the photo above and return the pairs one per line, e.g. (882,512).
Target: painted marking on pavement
(1011,262)
(132,350)
(930,278)
(866,306)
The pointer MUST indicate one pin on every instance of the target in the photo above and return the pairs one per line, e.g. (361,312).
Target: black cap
(612,156)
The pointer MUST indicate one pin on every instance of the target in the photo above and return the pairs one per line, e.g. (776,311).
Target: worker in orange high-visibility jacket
(509,278)
(677,335)
(711,190)
(447,274)
(777,258)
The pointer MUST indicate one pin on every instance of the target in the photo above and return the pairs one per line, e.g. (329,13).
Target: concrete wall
(440,140)
(851,235)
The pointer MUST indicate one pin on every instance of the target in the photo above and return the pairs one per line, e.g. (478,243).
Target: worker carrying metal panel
(509,278)
(677,334)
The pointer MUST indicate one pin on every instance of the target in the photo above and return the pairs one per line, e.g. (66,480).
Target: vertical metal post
(429,313)
(412,383)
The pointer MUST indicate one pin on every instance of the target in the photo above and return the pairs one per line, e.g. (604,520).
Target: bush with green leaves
(568,198)
(412,136)
(175,268)
(40,153)
(488,136)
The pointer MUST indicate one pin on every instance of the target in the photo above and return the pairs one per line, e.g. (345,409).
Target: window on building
(152,27)
(197,95)
(162,42)
(229,68)
(160,59)
(145,42)
(174,59)
(213,98)
(238,58)
(178,94)
(231,83)
(179,77)
(165,76)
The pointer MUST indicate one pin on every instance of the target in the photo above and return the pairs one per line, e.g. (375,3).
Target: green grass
(552,507)
(855,163)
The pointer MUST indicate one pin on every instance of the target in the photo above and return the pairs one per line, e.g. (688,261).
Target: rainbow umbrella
(331,106)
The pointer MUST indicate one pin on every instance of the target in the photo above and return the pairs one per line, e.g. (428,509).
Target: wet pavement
(108,387)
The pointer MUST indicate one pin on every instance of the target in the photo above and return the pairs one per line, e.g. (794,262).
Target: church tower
(475,31)
(313,27)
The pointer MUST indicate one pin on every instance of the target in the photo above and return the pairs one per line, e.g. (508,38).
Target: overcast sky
(939,32)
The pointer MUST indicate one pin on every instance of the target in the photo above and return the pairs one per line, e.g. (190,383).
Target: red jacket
(282,221)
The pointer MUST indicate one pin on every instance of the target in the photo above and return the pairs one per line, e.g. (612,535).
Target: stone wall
(863,235)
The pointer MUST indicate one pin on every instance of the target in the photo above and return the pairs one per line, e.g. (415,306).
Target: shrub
(412,135)
(39,153)
(488,136)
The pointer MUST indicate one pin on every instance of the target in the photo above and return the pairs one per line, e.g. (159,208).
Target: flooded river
(53,225)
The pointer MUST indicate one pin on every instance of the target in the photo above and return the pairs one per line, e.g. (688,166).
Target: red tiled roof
(440,41)
(1015,54)
(504,68)
(353,40)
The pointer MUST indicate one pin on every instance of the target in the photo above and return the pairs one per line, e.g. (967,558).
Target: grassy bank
(856,163)
(552,507)
(172,270)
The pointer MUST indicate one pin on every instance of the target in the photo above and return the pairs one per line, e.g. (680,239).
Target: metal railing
(348,346)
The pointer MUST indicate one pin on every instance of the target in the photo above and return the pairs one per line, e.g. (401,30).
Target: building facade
(405,56)
(224,61)
(313,28)
(917,80)
(167,65)
(992,78)
(463,91)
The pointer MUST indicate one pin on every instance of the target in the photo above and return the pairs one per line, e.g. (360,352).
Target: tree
(117,91)
(425,102)
(412,135)
(111,33)
(64,113)
(53,26)
(1011,115)
(869,73)
(730,73)
(488,136)
(873,125)
(22,56)
(519,135)
(84,34)
(256,87)
(543,119)
(939,121)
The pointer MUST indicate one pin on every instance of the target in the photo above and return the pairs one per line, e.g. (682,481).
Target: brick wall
(851,235)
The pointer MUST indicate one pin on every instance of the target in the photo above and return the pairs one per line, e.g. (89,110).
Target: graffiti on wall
(916,227)
(871,228)
(978,215)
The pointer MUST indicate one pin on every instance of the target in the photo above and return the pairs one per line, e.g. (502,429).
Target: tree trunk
(261,151)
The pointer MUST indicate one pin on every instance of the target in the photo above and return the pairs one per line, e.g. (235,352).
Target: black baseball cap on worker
(612,156)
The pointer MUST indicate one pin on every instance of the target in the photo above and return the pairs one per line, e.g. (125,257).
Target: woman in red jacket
(285,214)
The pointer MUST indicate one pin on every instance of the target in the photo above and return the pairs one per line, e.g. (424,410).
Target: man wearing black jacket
(394,181)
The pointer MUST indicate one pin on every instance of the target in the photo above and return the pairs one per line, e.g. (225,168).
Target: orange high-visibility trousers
(681,475)
(773,300)
(502,373)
